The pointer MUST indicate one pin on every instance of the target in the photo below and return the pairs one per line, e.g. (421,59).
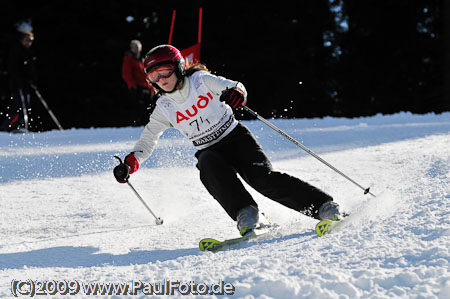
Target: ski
(209,244)
(213,245)
(326,226)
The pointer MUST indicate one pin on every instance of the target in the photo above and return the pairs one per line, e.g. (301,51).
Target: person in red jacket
(134,75)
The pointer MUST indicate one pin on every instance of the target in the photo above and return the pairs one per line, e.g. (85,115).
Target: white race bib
(202,118)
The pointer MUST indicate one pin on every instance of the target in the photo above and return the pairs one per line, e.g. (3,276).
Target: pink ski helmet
(165,54)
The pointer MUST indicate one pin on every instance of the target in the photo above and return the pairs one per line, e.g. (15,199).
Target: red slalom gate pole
(171,26)
(200,25)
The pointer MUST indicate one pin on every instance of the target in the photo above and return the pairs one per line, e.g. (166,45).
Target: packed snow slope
(64,217)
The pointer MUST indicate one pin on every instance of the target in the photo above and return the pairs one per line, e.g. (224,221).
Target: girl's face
(168,84)
(164,76)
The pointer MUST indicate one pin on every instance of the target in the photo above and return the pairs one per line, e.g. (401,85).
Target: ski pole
(158,220)
(24,109)
(284,134)
(44,103)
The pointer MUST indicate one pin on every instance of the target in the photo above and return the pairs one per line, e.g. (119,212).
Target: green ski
(326,226)
(214,245)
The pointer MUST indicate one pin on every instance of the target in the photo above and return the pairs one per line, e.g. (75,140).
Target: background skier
(200,105)
(22,73)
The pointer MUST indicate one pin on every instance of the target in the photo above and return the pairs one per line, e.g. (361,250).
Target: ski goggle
(163,71)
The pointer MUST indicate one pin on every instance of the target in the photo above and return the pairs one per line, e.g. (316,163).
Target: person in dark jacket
(134,75)
(22,74)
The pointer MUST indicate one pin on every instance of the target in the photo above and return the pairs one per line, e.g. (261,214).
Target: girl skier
(200,105)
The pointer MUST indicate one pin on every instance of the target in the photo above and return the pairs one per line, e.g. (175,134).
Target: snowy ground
(63,216)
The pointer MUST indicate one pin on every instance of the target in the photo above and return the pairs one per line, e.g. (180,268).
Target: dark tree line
(297,58)
(393,57)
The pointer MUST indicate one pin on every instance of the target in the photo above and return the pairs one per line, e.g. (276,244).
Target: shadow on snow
(74,257)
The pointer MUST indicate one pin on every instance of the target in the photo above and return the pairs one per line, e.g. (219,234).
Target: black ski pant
(240,153)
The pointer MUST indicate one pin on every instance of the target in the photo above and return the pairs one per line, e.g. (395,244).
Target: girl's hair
(194,67)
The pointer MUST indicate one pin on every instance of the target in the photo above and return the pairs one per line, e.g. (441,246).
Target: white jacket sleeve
(149,137)
(217,84)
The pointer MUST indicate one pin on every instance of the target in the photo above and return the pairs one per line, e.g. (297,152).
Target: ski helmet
(165,54)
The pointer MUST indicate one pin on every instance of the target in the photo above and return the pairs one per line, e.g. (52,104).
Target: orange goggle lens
(164,71)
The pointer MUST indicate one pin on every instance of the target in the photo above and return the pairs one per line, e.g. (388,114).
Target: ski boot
(329,211)
(247,219)
(330,218)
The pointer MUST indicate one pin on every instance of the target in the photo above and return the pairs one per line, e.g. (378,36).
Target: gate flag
(192,53)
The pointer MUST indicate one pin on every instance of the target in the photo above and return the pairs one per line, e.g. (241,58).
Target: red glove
(133,162)
(233,97)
